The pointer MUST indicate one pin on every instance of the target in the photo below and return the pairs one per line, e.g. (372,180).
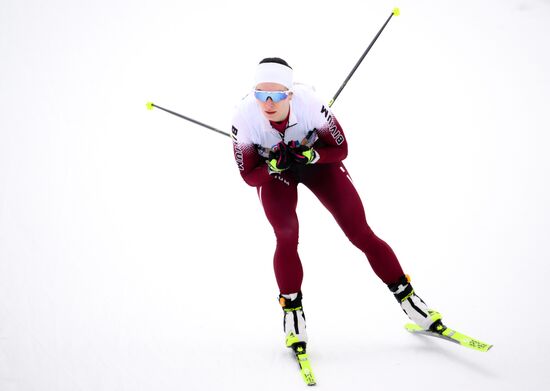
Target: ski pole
(394,12)
(151,105)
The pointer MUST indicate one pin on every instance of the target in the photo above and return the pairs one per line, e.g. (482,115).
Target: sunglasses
(276,96)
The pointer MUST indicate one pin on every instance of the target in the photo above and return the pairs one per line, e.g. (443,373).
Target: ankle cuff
(402,288)
(291,305)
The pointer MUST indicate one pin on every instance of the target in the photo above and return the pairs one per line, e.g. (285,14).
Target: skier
(283,135)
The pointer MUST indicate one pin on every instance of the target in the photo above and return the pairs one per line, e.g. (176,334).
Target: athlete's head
(273,88)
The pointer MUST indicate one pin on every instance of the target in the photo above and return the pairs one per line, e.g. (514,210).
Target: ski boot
(414,306)
(294,322)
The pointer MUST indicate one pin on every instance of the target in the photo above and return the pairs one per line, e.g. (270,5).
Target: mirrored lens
(276,96)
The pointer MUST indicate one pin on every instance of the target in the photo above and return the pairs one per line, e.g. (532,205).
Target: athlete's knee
(363,237)
(287,234)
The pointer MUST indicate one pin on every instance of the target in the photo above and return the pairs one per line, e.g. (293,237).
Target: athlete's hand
(279,158)
(302,154)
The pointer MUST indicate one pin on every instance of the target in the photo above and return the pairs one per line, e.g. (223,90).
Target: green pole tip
(149,105)
(396,11)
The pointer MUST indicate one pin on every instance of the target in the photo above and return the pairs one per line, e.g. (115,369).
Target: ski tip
(396,11)
(480,346)
(149,105)
(309,379)
(477,345)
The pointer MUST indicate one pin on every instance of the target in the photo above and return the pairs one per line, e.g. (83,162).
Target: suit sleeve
(251,165)
(331,144)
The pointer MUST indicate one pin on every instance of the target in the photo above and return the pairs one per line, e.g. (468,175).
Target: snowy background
(133,256)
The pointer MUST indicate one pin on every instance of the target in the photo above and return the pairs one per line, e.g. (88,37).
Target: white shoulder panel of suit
(251,127)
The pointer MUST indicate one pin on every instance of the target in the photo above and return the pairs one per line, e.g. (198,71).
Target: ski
(302,358)
(451,335)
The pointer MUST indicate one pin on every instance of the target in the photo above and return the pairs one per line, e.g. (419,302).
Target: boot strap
(291,305)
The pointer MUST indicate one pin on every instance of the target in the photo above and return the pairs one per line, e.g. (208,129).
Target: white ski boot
(294,322)
(414,306)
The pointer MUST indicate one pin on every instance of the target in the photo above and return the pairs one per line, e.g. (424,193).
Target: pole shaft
(395,12)
(360,61)
(192,120)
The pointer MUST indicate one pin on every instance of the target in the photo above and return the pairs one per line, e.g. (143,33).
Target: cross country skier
(283,135)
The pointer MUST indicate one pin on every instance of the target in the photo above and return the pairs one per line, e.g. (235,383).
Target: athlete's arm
(331,145)
(251,164)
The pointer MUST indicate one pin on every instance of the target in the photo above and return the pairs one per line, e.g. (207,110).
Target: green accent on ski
(464,340)
(149,105)
(305,366)
(412,327)
(452,336)
(396,11)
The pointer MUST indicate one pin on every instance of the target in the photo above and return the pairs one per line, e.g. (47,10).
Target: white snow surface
(133,256)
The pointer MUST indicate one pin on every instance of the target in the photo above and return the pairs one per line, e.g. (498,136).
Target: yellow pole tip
(149,105)
(396,11)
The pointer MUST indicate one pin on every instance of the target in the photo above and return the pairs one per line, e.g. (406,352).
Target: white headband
(272,72)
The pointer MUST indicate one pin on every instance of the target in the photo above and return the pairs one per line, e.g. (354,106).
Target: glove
(279,158)
(302,154)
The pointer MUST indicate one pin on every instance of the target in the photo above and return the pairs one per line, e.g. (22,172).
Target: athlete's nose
(269,103)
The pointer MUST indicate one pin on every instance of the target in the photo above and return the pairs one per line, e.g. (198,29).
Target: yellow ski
(449,334)
(303,361)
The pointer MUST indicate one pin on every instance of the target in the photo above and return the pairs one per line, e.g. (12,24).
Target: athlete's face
(274,111)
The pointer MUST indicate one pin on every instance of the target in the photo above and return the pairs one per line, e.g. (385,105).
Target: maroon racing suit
(328,180)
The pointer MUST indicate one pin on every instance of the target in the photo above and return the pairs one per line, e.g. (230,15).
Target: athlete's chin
(270,114)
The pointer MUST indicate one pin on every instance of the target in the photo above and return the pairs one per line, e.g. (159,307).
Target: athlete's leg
(333,187)
(279,200)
